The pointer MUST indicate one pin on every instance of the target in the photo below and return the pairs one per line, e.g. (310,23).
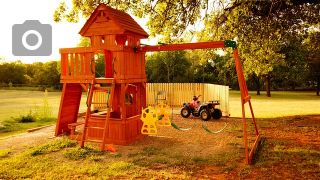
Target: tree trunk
(318,84)
(257,81)
(268,86)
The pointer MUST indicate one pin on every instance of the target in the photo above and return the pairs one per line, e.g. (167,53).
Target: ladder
(91,118)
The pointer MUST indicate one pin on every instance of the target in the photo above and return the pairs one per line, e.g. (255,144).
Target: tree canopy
(271,34)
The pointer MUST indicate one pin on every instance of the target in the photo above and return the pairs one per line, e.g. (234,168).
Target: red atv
(205,110)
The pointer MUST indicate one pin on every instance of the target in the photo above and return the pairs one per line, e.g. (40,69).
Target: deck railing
(77,66)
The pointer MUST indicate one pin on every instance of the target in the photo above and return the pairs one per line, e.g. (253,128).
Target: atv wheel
(216,114)
(185,112)
(205,115)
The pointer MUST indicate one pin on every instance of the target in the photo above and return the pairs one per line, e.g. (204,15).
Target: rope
(172,123)
(158,82)
(141,98)
(203,126)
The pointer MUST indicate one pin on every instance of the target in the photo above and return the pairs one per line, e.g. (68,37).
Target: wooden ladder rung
(97,116)
(101,88)
(96,120)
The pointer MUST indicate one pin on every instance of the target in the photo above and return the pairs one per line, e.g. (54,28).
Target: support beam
(176,47)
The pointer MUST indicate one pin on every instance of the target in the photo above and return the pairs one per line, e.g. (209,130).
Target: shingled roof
(106,20)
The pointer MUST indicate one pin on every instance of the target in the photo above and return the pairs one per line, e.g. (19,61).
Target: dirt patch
(22,141)
(291,133)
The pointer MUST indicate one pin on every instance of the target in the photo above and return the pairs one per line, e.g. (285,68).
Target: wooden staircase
(92,120)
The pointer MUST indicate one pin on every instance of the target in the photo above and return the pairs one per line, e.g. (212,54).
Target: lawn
(281,103)
(289,147)
(20,104)
(16,102)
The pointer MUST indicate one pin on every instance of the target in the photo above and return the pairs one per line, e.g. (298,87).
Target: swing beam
(245,97)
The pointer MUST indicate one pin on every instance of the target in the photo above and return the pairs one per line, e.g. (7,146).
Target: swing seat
(149,118)
(163,113)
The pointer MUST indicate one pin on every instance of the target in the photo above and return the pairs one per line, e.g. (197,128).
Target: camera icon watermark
(32,39)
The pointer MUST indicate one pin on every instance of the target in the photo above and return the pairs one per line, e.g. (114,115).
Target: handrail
(114,59)
(91,66)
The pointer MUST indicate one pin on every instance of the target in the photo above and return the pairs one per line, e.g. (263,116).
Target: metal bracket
(229,43)
(135,49)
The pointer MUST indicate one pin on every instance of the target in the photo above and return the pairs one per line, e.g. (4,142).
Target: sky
(64,34)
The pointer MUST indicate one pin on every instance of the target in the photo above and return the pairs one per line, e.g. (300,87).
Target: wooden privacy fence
(178,93)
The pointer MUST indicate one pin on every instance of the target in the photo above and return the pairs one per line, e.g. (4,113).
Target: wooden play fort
(115,34)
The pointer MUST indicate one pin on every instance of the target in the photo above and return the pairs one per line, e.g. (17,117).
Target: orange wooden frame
(245,97)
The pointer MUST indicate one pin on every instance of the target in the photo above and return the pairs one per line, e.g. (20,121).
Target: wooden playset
(115,34)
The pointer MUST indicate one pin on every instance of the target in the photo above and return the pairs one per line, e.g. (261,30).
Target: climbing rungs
(93,122)
(96,120)
(97,116)
(101,88)
(98,103)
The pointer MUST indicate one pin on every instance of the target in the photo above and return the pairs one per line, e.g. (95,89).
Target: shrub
(8,125)
(45,111)
(3,84)
(77,153)
(26,118)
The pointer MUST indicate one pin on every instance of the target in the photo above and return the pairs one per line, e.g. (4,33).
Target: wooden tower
(115,34)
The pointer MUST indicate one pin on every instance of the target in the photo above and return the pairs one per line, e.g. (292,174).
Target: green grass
(59,159)
(15,102)
(11,127)
(4,153)
(52,147)
(81,153)
(281,103)
(22,110)
(282,154)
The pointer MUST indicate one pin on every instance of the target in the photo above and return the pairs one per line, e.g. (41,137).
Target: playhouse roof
(112,21)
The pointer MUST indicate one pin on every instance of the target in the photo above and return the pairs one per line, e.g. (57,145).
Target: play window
(129,99)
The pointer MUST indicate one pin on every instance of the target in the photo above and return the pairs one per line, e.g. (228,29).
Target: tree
(168,18)
(313,50)
(167,67)
(47,73)
(294,71)
(12,72)
(261,28)
(84,42)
